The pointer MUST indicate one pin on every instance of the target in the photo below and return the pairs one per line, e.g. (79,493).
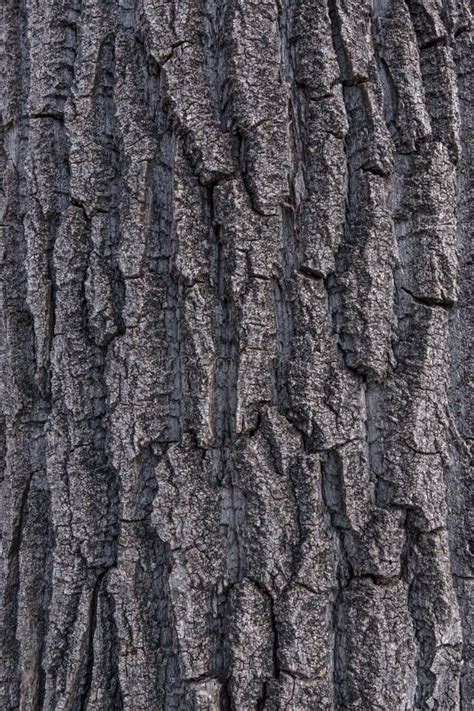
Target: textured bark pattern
(237,308)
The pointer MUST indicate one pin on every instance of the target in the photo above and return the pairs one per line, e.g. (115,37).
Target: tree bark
(236,321)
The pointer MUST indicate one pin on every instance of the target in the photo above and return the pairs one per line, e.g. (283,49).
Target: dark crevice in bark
(334,500)
(227,320)
(224,414)
(283,310)
(427,301)
(45,115)
(214,39)
(12,578)
(458,470)
(423,630)
(89,661)
(46,595)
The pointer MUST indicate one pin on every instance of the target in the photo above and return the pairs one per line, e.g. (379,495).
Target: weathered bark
(236,319)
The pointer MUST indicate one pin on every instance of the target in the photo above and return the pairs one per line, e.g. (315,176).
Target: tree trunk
(235,341)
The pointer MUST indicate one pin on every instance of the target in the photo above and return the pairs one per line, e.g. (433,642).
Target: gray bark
(236,321)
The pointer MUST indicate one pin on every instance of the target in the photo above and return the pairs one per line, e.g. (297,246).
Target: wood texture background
(236,319)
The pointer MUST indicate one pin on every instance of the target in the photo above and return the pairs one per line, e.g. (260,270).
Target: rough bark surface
(236,320)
